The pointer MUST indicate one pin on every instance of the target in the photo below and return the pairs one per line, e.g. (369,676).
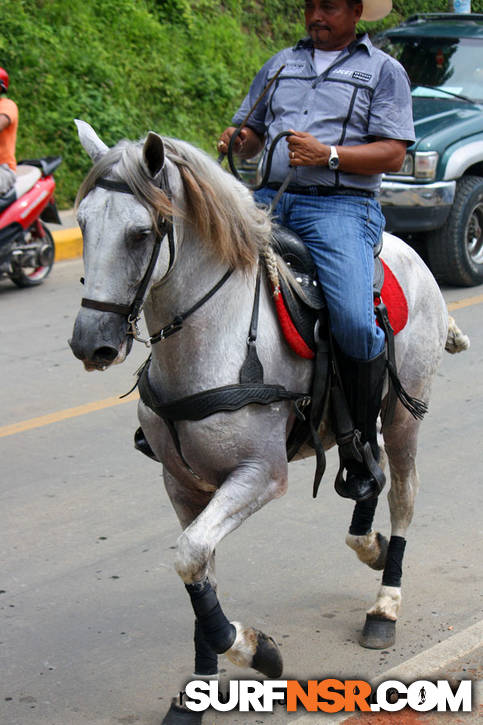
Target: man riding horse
(348,108)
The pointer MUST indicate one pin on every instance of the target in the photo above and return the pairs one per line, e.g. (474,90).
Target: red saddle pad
(392,296)
(395,300)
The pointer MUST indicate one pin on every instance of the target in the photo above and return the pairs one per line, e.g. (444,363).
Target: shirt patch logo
(360,76)
(294,67)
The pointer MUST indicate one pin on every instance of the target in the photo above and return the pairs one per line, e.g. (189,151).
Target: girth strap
(226,398)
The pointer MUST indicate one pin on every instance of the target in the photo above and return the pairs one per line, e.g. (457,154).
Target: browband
(114,186)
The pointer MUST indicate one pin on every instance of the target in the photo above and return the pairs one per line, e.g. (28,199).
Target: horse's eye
(140,236)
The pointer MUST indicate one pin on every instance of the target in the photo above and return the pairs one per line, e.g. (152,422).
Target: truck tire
(455,252)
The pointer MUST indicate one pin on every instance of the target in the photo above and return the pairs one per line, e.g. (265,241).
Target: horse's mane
(220,209)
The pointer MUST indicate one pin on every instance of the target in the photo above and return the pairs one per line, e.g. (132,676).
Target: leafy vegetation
(179,67)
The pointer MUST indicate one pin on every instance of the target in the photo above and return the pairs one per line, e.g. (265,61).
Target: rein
(177,323)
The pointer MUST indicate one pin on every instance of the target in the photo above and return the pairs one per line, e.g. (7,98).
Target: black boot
(362,382)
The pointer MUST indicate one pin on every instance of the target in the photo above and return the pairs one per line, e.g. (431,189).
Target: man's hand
(305,150)
(247,144)
(377,157)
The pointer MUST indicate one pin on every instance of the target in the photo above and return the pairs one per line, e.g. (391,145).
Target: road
(95,625)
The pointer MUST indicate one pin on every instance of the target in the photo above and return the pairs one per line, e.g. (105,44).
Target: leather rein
(133,311)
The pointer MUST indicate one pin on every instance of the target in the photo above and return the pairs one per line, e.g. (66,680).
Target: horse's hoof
(380,562)
(253,648)
(178,715)
(378,633)
(267,658)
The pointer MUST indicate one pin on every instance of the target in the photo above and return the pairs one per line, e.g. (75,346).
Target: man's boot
(362,383)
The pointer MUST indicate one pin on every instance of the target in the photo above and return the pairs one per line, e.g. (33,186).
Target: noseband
(133,311)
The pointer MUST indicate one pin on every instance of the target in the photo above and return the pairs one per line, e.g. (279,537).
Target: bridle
(133,311)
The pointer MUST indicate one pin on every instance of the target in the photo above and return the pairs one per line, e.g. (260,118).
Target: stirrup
(371,479)
(141,444)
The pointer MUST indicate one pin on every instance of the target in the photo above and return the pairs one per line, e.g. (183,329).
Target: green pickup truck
(436,199)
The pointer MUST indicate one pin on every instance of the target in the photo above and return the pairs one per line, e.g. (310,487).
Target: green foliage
(179,67)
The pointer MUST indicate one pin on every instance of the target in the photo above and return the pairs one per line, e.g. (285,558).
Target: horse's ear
(90,140)
(153,153)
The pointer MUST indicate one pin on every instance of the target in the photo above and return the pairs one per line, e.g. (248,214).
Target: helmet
(3,80)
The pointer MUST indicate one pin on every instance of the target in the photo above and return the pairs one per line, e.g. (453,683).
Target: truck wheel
(455,252)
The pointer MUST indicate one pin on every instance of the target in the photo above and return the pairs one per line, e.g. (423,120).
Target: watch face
(333,158)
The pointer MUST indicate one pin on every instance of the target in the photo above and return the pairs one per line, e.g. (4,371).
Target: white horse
(221,468)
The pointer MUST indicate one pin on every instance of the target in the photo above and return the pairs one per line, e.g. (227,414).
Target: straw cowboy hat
(375,9)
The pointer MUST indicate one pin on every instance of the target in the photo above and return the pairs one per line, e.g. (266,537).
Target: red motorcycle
(27,247)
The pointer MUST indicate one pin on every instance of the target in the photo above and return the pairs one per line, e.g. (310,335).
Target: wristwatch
(333,159)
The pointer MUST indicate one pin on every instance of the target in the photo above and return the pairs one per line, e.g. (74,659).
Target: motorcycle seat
(27,176)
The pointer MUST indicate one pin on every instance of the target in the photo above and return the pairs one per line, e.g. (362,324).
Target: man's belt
(323,190)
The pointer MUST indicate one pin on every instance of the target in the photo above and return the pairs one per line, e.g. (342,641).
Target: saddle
(301,301)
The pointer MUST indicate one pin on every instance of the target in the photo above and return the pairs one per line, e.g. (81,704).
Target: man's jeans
(340,232)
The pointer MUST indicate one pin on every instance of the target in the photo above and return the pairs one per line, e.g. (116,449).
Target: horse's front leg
(188,503)
(249,487)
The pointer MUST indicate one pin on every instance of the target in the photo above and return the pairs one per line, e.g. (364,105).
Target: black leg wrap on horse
(206,659)
(217,630)
(363,516)
(394,557)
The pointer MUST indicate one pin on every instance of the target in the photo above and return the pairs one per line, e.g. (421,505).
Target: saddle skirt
(299,299)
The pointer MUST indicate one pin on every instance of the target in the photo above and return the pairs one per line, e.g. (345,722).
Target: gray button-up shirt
(365,94)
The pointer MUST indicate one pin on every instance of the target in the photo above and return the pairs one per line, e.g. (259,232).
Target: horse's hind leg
(370,546)
(401,444)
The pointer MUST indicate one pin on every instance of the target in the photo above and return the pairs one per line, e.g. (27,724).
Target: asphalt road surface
(95,626)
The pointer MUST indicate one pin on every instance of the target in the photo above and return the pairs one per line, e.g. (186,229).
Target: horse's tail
(456,341)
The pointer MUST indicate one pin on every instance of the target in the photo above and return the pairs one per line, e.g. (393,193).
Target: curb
(425,665)
(68,244)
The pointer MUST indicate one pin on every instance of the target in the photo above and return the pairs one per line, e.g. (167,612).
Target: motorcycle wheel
(34,274)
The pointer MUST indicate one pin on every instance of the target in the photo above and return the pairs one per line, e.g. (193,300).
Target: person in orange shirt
(8,136)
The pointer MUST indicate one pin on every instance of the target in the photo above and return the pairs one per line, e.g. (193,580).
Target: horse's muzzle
(97,344)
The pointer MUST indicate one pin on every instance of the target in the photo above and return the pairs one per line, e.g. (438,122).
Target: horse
(166,229)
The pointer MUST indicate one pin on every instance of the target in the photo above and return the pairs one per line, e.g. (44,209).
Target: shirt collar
(361,40)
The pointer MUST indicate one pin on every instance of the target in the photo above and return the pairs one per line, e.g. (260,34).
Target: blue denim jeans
(340,232)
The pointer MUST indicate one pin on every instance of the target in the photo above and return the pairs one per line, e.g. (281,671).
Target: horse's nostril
(105,354)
